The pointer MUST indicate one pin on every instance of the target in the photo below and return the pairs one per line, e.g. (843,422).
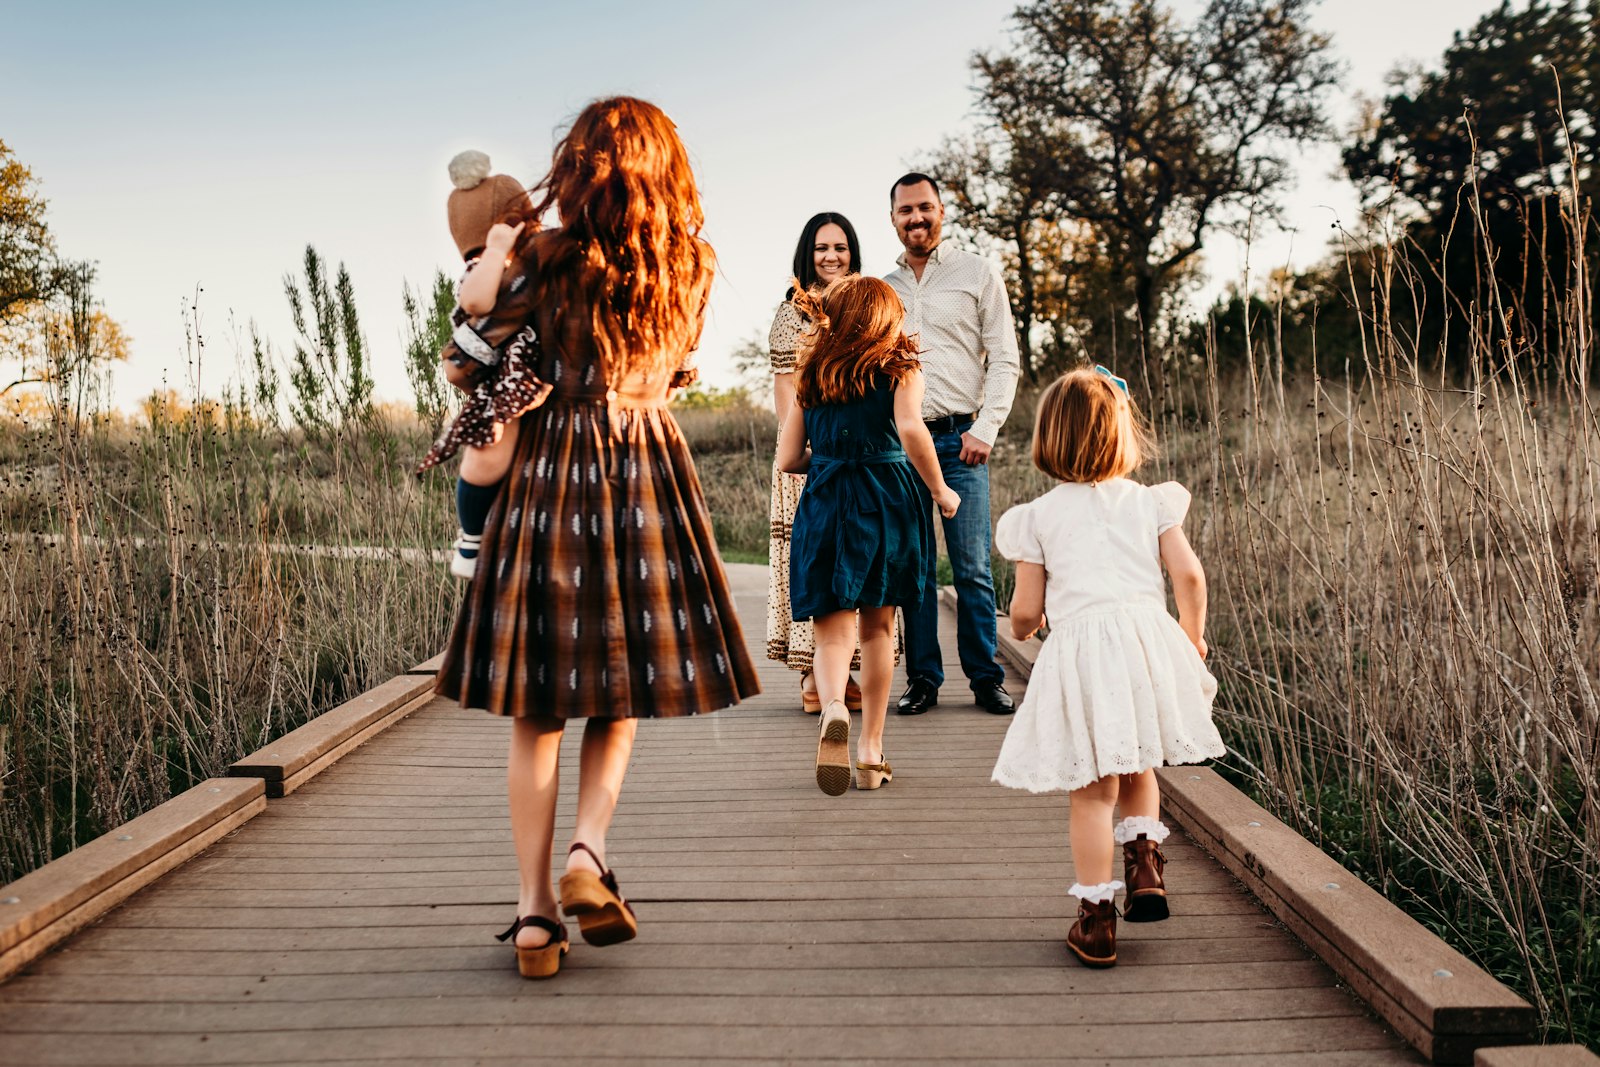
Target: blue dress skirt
(863,530)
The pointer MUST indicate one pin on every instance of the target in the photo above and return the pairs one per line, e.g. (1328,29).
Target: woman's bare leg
(877,669)
(836,644)
(532,775)
(607,747)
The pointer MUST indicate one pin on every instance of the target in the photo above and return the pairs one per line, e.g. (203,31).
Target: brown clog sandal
(545,960)
(604,918)
(873,775)
(810,699)
(833,749)
(852,695)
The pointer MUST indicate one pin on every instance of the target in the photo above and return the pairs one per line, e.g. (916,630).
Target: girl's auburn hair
(629,247)
(855,336)
(1086,429)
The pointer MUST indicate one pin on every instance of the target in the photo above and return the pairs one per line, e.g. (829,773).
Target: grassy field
(154,630)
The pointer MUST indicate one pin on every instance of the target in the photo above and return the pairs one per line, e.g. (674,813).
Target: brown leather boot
(1147,891)
(1093,938)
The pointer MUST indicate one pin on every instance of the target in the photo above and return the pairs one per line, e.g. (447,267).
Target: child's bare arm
(793,455)
(1188,585)
(914,438)
(1027,601)
(482,284)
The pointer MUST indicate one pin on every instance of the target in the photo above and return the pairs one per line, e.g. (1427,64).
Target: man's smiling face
(918,217)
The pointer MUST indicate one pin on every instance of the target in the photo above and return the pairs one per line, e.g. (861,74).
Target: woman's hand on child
(947,502)
(501,238)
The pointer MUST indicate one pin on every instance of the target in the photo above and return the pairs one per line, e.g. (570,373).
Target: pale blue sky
(205,144)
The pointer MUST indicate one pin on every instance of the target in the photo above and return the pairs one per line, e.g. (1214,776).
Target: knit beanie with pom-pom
(479,201)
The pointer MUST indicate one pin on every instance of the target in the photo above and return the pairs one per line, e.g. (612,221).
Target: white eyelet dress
(1117,688)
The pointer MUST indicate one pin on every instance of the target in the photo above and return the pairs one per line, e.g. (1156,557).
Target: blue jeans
(967,540)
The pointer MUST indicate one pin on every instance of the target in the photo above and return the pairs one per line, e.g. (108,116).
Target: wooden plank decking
(351,922)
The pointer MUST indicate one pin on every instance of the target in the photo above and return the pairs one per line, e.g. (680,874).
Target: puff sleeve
(1016,536)
(1172,504)
(783,341)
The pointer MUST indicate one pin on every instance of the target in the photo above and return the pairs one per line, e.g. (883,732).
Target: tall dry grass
(153,629)
(1406,613)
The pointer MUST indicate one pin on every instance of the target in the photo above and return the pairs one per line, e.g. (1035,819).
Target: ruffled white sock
(1095,894)
(1130,828)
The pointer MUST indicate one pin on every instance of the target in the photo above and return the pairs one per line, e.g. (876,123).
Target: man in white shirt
(957,310)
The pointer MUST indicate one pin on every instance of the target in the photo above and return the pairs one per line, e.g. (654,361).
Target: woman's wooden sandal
(810,699)
(545,960)
(833,749)
(873,775)
(852,695)
(604,918)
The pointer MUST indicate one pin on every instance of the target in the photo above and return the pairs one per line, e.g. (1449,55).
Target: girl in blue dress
(862,539)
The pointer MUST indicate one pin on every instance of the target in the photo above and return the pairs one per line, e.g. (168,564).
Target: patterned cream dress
(789,642)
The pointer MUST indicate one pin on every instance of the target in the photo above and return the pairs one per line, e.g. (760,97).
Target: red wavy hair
(629,246)
(855,336)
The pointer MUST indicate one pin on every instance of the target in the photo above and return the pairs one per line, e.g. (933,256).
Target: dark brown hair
(629,247)
(805,260)
(1086,429)
(916,177)
(855,336)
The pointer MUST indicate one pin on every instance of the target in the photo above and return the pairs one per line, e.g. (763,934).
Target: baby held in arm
(476,209)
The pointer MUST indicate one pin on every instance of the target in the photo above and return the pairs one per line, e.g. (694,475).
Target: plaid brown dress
(598,592)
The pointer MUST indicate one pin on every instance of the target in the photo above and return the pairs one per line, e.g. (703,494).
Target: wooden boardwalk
(351,922)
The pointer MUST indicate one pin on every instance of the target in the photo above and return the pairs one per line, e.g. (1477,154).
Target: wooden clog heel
(833,750)
(545,960)
(604,918)
(873,775)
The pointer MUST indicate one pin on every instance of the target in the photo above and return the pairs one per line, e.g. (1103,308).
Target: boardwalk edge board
(1536,1056)
(300,755)
(428,666)
(1442,1003)
(46,905)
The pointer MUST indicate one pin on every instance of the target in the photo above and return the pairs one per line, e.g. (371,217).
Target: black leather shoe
(919,696)
(994,699)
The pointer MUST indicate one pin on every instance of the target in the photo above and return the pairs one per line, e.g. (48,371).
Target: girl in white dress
(1120,687)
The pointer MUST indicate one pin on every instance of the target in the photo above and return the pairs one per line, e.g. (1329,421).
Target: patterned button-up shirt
(959,313)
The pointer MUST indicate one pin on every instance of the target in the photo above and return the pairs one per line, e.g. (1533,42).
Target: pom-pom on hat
(478,200)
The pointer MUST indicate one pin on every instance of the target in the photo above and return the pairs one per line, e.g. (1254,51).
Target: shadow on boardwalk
(351,921)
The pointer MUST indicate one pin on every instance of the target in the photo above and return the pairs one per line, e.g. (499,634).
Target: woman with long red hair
(598,593)
(862,542)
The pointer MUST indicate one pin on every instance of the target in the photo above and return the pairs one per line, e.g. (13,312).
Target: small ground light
(124,837)
(1331,885)
(11,900)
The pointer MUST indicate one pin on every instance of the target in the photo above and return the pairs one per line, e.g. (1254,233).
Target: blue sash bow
(858,500)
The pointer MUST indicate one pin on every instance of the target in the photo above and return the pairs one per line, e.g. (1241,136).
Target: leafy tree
(332,386)
(427,331)
(1512,107)
(28,271)
(67,343)
(1483,163)
(1119,117)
